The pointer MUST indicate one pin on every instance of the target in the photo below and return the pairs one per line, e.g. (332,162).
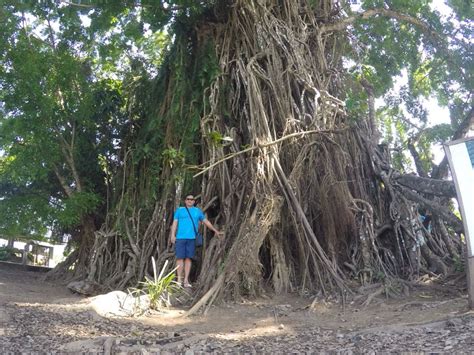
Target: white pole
(460,155)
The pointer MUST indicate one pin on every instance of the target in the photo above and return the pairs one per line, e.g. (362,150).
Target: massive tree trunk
(306,197)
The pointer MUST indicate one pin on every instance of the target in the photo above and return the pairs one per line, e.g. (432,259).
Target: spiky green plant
(160,288)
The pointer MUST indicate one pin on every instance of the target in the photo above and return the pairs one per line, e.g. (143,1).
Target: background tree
(58,126)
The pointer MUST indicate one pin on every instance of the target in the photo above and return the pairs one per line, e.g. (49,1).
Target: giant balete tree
(267,109)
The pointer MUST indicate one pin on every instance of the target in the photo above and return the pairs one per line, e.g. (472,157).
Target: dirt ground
(37,316)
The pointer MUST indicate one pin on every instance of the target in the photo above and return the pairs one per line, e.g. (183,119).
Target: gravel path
(36,317)
(73,328)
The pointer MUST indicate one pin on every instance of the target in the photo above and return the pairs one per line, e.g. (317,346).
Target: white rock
(120,304)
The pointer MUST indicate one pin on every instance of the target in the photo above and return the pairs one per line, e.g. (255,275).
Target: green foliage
(172,157)
(23,209)
(23,217)
(60,124)
(356,101)
(77,206)
(462,8)
(167,111)
(434,59)
(313,3)
(216,138)
(14,254)
(9,253)
(401,161)
(440,133)
(458,264)
(421,83)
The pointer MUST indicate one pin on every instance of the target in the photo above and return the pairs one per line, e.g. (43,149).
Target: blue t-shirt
(185,226)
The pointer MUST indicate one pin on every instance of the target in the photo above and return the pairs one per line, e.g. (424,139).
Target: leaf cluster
(419,57)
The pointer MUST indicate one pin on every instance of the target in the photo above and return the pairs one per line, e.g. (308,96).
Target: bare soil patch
(46,317)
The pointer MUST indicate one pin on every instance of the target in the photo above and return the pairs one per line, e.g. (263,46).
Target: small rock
(452,323)
(84,287)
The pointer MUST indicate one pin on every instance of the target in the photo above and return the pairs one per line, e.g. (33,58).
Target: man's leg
(180,269)
(187,270)
(180,252)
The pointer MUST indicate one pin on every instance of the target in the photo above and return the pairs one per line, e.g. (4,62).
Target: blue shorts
(185,248)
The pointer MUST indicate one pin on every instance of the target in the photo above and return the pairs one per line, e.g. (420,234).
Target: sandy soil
(41,316)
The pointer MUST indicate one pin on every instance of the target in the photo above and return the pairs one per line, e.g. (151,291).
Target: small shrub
(160,288)
(7,253)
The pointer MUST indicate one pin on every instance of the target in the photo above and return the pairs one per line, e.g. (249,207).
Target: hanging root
(283,108)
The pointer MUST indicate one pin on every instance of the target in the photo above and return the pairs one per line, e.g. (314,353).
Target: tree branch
(159,4)
(67,189)
(264,145)
(426,185)
(416,157)
(371,102)
(76,4)
(341,25)
(68,154)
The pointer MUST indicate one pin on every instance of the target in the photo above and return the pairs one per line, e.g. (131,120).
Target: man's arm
(174,226)
(212,228)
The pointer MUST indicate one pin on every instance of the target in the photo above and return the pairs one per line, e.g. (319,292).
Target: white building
(43,253)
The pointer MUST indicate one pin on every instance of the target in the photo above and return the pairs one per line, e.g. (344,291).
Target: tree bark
(426,185)
(418,162)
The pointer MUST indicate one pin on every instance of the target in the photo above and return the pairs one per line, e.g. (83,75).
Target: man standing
(185,225)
